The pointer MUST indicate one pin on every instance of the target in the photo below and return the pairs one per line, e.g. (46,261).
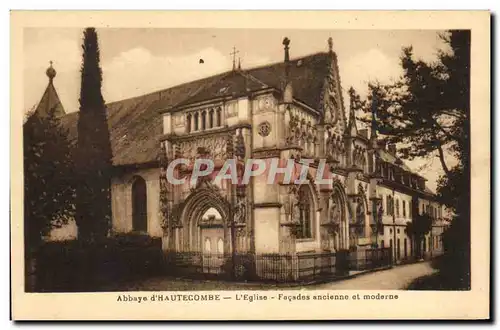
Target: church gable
(331,102)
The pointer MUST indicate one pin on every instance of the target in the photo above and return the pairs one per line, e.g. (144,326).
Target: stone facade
(291,110)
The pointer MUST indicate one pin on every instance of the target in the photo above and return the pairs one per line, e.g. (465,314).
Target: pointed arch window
(220,246)
(208,245)
(139,205)
(305,210)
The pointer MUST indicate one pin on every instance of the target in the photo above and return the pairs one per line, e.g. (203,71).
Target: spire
(352,127)
(50,102)
(51,72)
(233,54)
(287,90)
(330,45)
(286,43)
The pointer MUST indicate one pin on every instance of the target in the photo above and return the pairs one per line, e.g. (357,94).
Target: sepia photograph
(246,164)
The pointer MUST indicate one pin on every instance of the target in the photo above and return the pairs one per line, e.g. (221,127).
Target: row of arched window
(203,119)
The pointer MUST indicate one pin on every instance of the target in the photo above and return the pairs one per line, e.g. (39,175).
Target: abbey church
(288,110)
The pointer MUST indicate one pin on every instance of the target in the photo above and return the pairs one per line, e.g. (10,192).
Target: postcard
(250,165)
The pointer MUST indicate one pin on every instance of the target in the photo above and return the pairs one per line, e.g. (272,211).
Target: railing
(298,267)
(370,259)
(259,267)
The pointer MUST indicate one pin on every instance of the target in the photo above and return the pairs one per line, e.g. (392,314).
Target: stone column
(320,150)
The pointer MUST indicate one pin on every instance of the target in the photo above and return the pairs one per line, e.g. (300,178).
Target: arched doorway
(212,231)
(205,232)
(139,205)
(205,211)
(306,213)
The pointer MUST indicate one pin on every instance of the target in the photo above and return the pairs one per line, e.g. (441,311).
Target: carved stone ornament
(240,211)
(215,146)
(335,212)
(264,129)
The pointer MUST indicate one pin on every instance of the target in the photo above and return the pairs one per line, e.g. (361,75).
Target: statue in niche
(240,211)
(334,213)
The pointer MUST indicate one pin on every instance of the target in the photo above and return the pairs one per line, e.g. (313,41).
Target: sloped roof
(50,102)
(389,158)
(136,124)
(234,83)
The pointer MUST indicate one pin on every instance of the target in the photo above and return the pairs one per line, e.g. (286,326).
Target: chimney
(391,148)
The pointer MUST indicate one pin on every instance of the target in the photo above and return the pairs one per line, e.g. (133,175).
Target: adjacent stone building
(288,110)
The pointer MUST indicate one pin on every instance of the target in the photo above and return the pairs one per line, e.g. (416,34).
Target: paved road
(395,278)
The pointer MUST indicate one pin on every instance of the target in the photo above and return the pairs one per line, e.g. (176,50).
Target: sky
(139,61)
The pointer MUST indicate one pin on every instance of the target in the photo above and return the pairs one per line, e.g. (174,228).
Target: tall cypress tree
(93,154)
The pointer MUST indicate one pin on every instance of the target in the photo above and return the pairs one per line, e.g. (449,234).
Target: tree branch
(441,157)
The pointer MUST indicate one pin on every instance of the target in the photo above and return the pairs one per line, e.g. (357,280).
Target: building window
(211,118)
(410,206)
(204,120)
(220,246)
(188,123)
(399,249)
(305,210)
(405,242)
(196,122)
(208,247)
(219,117)
(139,205)
(382,243)
(390,205)
(404,209)
(397,207)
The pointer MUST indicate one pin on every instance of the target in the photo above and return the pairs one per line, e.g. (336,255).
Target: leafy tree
(427,112)
(417,229)
(93,156)
(48,177)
